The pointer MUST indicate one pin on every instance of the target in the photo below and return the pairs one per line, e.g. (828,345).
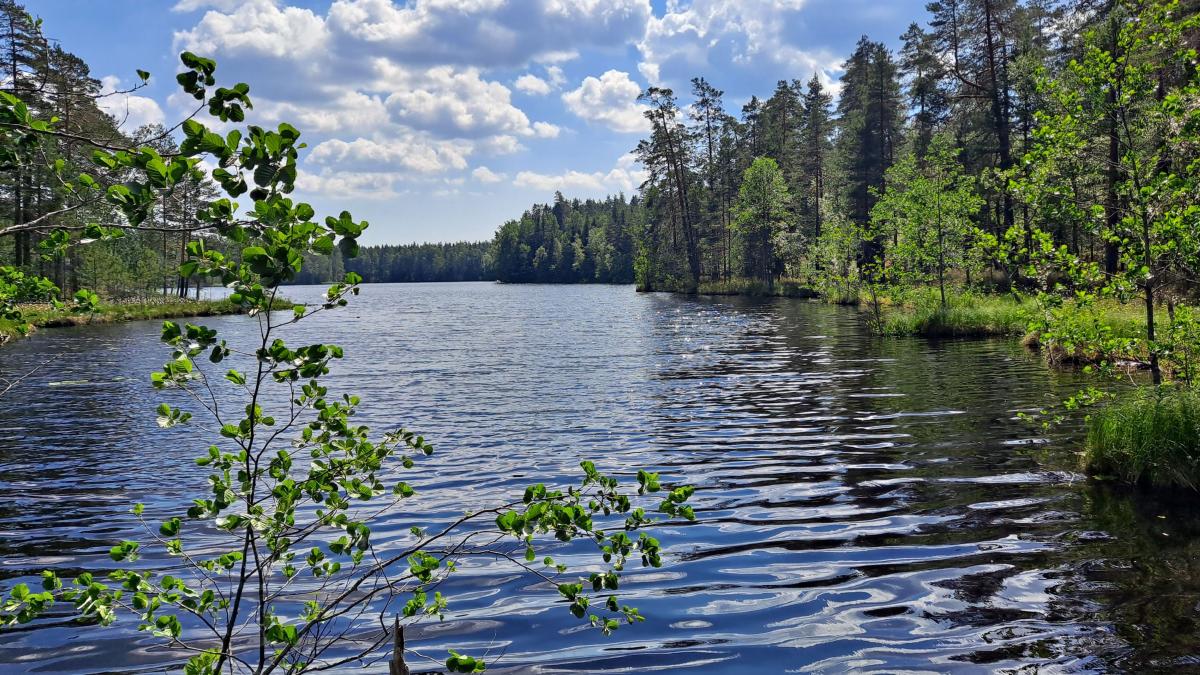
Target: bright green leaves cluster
(573,514)
(459,663)
(97,601)
(18,287)
(199,74)
(86,302)
(151,175)
(21,130)
(349,230)
(23,605)
(188,342)
(169,417)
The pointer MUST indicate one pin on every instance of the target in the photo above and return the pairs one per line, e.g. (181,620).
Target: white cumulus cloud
(495,32)
(532,85)
(486,175)
(545,130)
(129,110)
(707,35)
(556,76)
(257,27)
(611,100)
(404,152)
(461,103)
(368,185)
(625,176)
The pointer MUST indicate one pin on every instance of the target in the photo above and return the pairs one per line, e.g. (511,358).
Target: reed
(1149,436)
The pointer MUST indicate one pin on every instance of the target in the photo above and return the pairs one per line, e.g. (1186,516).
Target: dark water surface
(864,505)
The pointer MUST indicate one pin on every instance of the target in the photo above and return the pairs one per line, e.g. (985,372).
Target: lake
(863,504)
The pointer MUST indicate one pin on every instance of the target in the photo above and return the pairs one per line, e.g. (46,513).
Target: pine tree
(927,96)
(869,127)
(667,157)
(708,118)
(813,151)
(23,51)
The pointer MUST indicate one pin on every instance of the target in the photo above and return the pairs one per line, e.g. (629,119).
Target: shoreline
(109,313)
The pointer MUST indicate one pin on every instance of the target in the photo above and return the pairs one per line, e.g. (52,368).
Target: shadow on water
(864,504)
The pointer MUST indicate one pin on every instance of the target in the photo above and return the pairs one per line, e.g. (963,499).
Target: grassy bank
(42,316)
(1114,327)
(1149,437)
(783,288)
(965,315)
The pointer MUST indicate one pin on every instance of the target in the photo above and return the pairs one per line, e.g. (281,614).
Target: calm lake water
(864,505)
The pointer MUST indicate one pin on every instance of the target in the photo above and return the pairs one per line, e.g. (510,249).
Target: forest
(938,135)
(565,241)
(123,264)
(569,241)
(403,263)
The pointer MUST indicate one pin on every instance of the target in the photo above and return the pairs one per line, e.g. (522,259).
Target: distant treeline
(459,261)
(569,241)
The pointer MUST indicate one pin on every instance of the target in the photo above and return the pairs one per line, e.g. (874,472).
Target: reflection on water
(863,505)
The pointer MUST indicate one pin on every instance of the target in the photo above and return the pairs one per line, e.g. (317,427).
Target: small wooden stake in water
(396,665)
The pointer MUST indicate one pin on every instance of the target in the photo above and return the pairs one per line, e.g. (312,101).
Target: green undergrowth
(965,315)
(1149,436)
(784,288)
(45,316)
(1106,331)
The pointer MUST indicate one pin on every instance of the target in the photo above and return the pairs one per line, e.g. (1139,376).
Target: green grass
(1148,437)
(41,316)
(786,288)
(966,315)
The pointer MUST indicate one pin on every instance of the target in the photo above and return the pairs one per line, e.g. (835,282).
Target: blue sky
(436,120)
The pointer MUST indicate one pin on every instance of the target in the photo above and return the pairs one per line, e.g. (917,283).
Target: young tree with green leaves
(1117,92)
(931,205)
(273,564)
(762,212)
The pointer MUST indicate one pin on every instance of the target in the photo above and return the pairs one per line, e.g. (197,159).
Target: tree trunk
(1112,218)
(999,108)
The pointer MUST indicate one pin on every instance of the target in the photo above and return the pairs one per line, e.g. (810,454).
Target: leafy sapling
(274,564)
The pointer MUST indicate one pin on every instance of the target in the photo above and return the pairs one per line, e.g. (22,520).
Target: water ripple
(864,505)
